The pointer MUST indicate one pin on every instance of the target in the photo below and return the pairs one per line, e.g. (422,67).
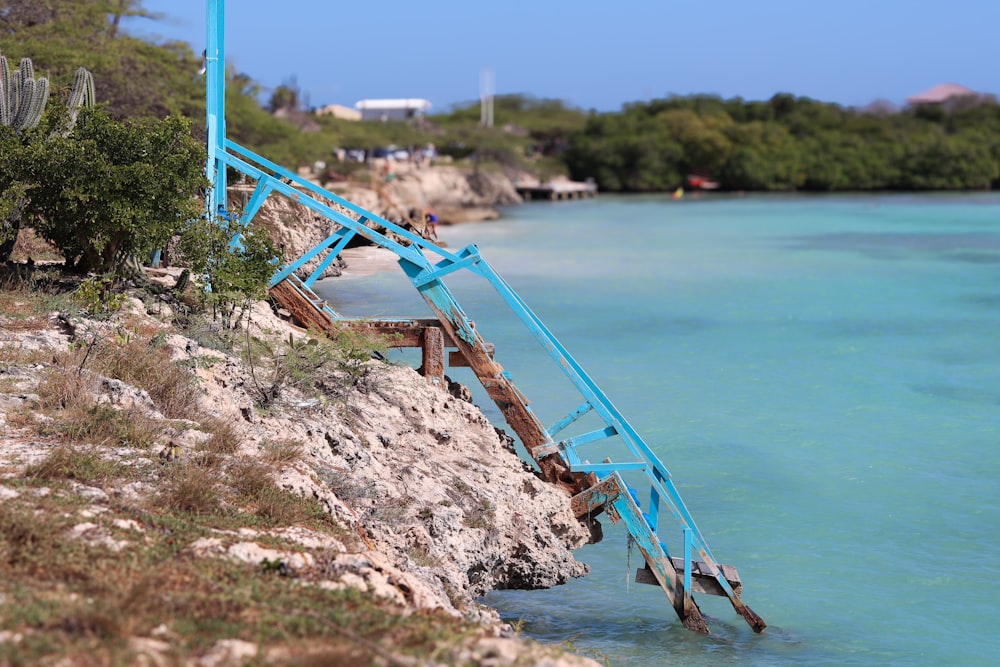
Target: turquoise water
(821,376)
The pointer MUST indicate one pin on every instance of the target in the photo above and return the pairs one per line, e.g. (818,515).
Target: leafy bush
(97,296)
(110,192)
(235,274)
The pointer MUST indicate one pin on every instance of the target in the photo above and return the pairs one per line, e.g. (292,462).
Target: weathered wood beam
(308,313)
(702,581)
(432,346)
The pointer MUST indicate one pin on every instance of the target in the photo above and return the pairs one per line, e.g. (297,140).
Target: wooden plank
(301,308)
(701,580)
(402,333)
(498,387)
(591,501)
(457,359)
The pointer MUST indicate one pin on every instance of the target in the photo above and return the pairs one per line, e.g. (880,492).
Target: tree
(120,9)
(111,191)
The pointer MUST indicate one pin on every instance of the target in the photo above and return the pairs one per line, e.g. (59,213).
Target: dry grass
(253,485)
(11,385)
(77,604)
(225,440)
(104,425)
(21,535)
(281,452)
(16,354)
(249,478)
(62,388)
(21,307)
(83,465)
(144,364)
(189,489)
(16,317)
(69,393)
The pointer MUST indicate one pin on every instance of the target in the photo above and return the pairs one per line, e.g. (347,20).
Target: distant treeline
(785,143)
(789,143)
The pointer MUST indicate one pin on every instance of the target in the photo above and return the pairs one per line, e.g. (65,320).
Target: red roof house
(941,94)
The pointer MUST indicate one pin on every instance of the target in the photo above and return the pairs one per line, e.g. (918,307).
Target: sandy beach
(366,260)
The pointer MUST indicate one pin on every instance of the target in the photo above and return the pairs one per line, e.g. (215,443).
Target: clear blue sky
(601,54)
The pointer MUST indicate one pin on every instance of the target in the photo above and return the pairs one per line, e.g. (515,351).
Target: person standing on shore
(430,224)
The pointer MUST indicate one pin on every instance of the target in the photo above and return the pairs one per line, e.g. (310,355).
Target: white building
(401,109)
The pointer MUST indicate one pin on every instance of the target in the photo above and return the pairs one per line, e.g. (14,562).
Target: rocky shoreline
(430,505)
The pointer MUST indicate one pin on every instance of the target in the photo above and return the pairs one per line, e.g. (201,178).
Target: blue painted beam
(569,419)
(257,199)
(658,560)
(604,468)
(409,252)
(340,235)
(215,71)
(445,267)
(569,445)
(687,559)
(238,155)
(440,298)
(332,255)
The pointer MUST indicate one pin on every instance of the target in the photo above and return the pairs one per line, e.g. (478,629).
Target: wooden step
(702,581)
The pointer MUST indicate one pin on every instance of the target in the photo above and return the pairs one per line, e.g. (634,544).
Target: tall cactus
(22,97)
(22,102)
(80,95)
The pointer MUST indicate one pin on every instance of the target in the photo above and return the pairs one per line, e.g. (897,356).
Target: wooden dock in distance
(556,190)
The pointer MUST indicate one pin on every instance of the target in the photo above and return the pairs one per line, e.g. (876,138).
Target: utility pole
(487,84)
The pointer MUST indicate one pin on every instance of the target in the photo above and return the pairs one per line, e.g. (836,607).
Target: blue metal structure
(599,486)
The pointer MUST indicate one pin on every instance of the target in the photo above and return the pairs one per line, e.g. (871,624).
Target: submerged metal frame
(611,494)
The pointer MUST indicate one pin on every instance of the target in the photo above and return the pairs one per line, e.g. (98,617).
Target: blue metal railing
(427,278)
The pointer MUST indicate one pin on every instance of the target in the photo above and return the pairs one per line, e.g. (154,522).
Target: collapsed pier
(635,490)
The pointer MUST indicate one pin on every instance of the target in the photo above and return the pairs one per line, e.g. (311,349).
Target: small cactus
(183,281)
(22,97)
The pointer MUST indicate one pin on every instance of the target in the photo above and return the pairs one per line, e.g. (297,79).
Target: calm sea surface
(821,376)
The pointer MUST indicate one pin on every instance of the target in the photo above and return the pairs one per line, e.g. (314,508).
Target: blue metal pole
(215,99)
(687,560)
